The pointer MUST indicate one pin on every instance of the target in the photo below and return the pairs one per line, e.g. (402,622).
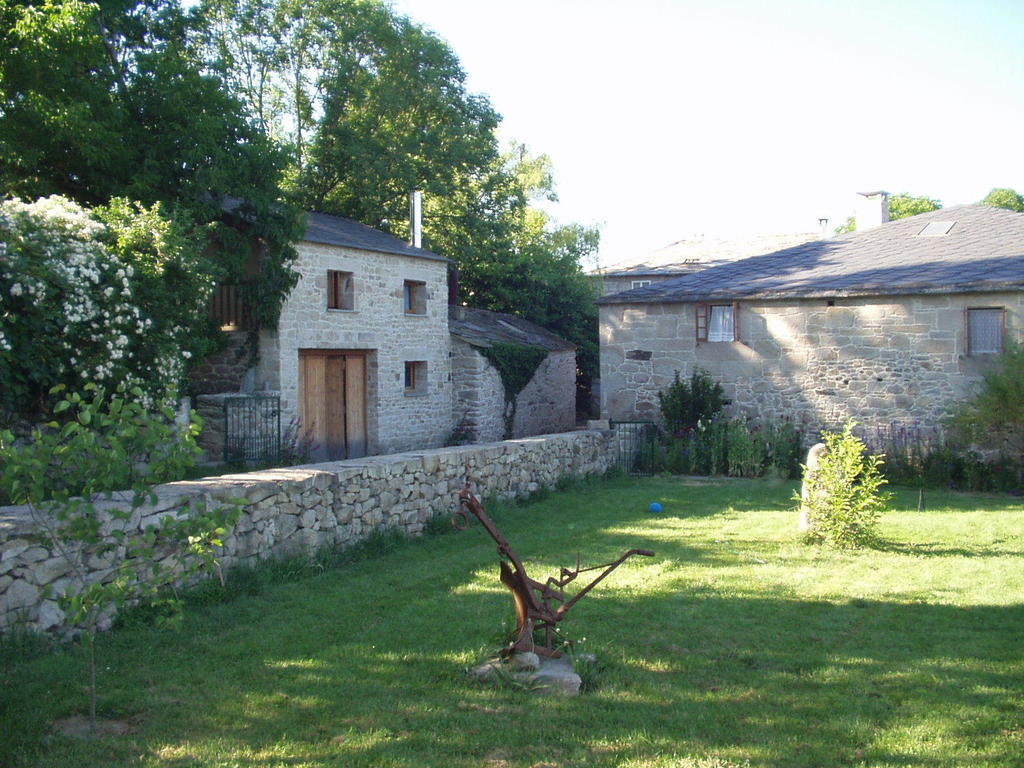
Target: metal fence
(252,428)
(636,446)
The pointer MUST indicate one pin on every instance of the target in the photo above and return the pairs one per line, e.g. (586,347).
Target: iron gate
(636,446)
(252,428)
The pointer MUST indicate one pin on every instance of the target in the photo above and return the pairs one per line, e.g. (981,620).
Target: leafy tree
(372,106)
(109,99)
(850,225)
(1002,197)
(515,258)
(904,204)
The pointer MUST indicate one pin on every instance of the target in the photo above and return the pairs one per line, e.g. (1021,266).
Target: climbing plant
(516,364)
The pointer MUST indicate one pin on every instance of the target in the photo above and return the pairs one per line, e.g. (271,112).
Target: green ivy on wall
(516,364)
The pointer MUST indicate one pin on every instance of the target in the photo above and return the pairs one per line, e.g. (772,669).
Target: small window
(415,377)
(718,322)
(414,297)
(639,283)
(339,290)
(985,328)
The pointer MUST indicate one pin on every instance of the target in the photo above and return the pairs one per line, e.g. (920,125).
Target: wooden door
(332,403)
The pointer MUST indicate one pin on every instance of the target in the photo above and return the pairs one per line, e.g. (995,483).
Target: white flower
(16,289)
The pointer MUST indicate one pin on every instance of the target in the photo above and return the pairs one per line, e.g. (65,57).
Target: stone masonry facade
(546,404)
(878,360)
(479,402)
(301,509)
(378,326)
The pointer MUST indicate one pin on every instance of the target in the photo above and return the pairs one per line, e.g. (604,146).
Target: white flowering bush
(109,296)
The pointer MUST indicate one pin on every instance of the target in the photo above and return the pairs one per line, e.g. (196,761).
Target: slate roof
(348,233)
(697,252)
(337,230)
(983,251)
(481,328)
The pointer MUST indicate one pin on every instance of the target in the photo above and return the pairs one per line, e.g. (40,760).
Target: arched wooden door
(332,403)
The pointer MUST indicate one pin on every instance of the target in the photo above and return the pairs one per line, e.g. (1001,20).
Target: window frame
(703,321)
(415,377)
(337,295)
(638,284)
(414,297)
(971,352)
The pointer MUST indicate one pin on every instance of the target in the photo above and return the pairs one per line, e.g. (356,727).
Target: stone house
(482,412)
(360,355)
(363,363)
(891,324)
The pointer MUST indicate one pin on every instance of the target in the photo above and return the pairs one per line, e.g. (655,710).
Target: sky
(666,119)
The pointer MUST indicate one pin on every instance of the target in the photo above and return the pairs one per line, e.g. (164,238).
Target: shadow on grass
(936,549)
(795,683)
(365,666)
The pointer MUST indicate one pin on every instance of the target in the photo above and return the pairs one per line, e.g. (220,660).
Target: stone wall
(479,397)
(545,405)
(300,509)
(377,325)
(878,360)
(548,402)
(223,371)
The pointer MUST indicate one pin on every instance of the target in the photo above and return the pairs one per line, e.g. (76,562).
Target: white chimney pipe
(416,219)
(873,210)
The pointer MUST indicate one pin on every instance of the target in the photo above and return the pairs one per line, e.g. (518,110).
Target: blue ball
(655,508)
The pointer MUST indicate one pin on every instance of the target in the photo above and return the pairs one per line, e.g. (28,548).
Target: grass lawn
(735,645)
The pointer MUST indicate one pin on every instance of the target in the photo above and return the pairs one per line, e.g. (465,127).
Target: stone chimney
(873,210)
(416,219)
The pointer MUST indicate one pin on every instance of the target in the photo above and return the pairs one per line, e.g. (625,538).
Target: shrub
(994,417)
(109,295)
(745,449)
(687,403)
(784,449)
(842,497)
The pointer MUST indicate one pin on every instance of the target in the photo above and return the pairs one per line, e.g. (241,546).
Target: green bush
(687,403)
(112,294)
(842,498)
(745,449)
(994,418)
(929,457)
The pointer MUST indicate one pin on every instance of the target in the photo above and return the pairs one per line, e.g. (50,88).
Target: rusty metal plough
(539,606)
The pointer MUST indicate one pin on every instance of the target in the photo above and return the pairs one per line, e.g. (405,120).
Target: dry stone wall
(302,509)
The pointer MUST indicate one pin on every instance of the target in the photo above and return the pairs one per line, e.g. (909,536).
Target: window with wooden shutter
(702,322)
(718,322)
(416,377)
(339,290)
